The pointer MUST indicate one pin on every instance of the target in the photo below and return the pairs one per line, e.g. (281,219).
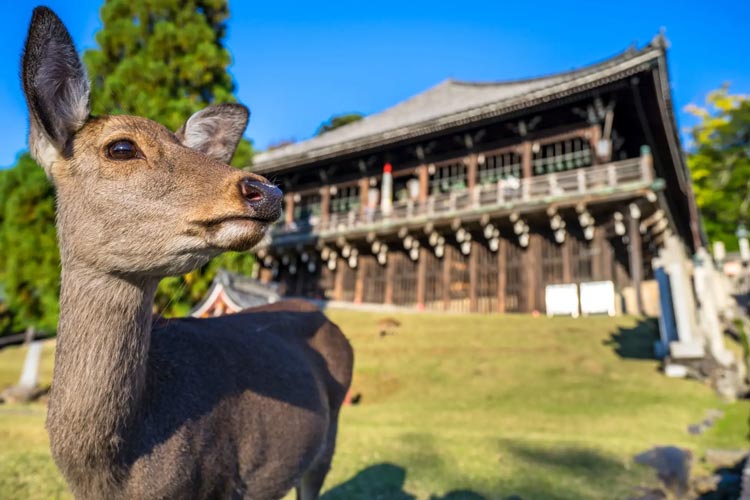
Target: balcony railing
(504,193)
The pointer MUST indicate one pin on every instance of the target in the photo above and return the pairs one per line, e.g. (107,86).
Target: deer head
(132,196)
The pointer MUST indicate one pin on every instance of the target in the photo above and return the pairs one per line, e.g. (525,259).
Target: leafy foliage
(720,164)
(161,59)
(337,121)
(29,260)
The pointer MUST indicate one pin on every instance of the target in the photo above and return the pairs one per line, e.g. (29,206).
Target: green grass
(469,407)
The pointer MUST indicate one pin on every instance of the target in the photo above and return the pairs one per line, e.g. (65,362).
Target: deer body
(242,406)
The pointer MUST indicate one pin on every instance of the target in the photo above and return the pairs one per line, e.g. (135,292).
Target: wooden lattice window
(404,279)
(515,278)
(560,156)
(499,166)
(308,208)
(487,278)
(582,254)
(552,262)
(447,177)
(345,199)
(373,280)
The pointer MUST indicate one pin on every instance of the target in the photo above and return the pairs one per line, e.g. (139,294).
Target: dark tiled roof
(454,103)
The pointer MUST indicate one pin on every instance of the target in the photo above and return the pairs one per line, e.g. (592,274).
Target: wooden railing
(502,194)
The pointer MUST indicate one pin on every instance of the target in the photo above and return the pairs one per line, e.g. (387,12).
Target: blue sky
(297,63)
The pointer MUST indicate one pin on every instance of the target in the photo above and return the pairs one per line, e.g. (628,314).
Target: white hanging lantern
(494,244)
(346,251)
(311,267)
(332,264)
(488,230)
(408,240)
(325,253)
(352,261)
(560,236)
(304,257)
(523,240)
(433,239)
(375,247)
(285,259)
(466,247)
(439,251)
(588,233)
(267,261)
(414,254)
(293,269)
(441,241)
(460,234)
(382,259)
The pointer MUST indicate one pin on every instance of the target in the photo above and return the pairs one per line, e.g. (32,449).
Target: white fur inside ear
(42,150)
(215,131)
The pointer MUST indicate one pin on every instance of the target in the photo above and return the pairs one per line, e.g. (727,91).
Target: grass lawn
(470,407)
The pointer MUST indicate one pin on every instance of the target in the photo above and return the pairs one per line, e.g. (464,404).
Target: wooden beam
(502,277)
(473,277)
(635,258)
(364,189)
(595,133)
(471,170)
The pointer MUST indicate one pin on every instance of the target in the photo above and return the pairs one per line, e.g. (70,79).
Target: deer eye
(122,150)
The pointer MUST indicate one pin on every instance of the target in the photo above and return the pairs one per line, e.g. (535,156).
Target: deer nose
(264,199)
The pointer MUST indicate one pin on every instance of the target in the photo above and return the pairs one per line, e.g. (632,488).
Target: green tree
(719,163)
(337,121)
(29,260)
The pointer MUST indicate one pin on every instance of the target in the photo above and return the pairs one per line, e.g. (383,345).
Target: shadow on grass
(636,342)
(386,481)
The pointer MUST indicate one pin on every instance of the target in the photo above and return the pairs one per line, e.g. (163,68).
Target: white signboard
(598,297)
(562,300)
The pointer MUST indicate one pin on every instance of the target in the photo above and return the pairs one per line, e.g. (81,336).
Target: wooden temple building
(475,197)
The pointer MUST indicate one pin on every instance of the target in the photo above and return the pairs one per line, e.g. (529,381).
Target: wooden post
(390,271)
(424,182)
(532,264)
(325,204)
(526,159)
(635,258)
(421,277)
(567,260)
(473,277)
(447,278)
(359,284)
(502,276)
(595,133)
(338,282)
(289,208)
(471,170)
(364,189)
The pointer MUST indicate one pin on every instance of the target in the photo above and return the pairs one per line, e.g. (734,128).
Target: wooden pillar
(635,258)
(473,277)
(424,182)
(595,133)
(532,260)
(447,277)
(390,272)
(471,170)
(364,190)
(421,277)
(567,260)
(526,159)
(359,284)
(338,280)
(325,204)
(289,208)
(502,276)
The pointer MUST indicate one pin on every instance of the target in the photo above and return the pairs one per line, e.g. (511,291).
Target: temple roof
(242,292)
(453,103)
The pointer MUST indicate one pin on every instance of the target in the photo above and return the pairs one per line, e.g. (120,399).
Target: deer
(238,406)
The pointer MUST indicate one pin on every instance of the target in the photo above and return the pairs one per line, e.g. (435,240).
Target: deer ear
(56,87)
(215,130)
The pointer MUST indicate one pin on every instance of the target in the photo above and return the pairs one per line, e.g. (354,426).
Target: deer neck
(100,365)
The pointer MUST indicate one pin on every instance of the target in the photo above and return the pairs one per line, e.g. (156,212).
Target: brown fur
(242,406)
